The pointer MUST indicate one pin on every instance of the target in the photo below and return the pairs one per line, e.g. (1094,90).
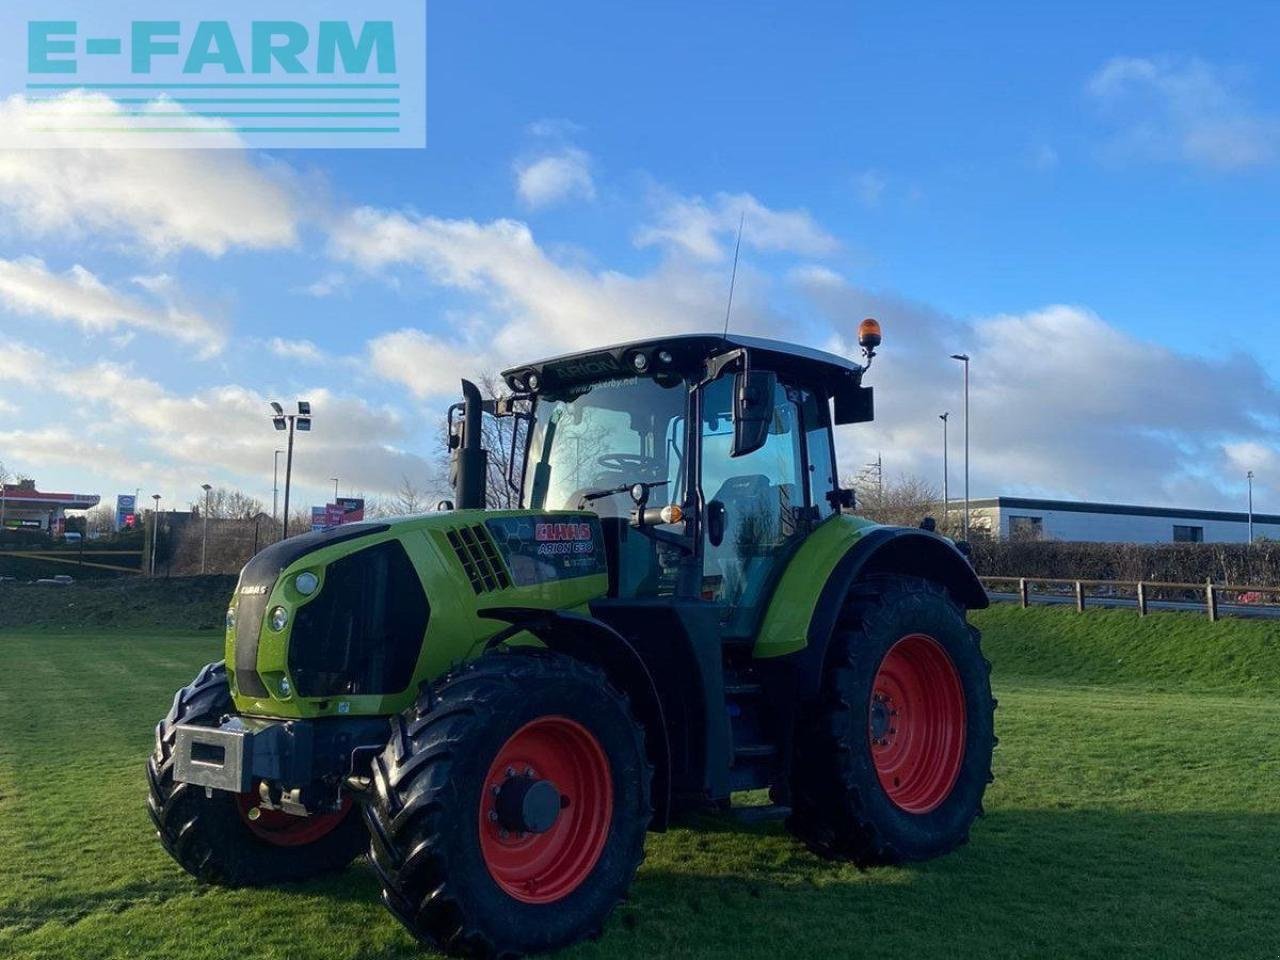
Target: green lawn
(1124,822)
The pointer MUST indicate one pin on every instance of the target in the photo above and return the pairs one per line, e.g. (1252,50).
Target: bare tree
(5,477)
(499,433)
(100,521)
(407,499)
(228,504)
(904,500)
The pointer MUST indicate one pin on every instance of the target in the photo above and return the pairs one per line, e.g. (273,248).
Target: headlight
(279,619)
(231,618)
(285,689)
(306,583)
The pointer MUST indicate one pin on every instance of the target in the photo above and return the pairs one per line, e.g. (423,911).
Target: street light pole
(946,471)
(1250,478)
(275,488)
(204,534)
(282,421)
(964,358)
(155,530)
(288,479)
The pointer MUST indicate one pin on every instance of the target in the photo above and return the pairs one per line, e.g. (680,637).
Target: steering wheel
(631,463)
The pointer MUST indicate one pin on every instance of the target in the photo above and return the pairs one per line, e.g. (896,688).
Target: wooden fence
(1208,595)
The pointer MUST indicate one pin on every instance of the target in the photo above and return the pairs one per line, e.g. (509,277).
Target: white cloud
(326,286)
(303,350)
(1241,456)
(7,406)
(554,178)
(59,446)
(537,306)
(425,364)
(165,200)
(703,229)
(219,433)
(21,364)
(1182,109)
(1063,403)
(870,186)
(27,286)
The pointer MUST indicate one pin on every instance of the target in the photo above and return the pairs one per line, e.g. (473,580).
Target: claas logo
(546,532)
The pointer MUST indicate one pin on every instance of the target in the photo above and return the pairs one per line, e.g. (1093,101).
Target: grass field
(1136,813)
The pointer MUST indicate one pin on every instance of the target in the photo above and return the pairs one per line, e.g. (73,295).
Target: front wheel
(510,806)
(229,839)
(894,760)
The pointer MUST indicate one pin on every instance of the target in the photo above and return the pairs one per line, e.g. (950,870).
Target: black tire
(204,831)
(429,783)
(840,808)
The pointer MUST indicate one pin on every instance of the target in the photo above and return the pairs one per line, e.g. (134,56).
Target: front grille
(363,633)
(256,582)
(479,558)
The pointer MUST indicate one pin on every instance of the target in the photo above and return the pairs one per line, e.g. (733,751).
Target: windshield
(615,434)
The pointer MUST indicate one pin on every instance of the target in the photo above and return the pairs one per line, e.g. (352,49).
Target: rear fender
(900,551)
(587,639)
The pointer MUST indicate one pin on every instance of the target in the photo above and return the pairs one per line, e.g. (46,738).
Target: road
(1258,611)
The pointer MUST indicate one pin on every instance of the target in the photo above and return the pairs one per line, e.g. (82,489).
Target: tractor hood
(342,621)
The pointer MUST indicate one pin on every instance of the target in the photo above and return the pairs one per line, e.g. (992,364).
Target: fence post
(1022,592)
(1142,599)
(1079,597)
(1211,601)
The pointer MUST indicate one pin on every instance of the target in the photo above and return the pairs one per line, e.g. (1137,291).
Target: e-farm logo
(217,74)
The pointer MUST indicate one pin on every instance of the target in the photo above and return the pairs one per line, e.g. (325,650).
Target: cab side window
(759,493)
(815,414)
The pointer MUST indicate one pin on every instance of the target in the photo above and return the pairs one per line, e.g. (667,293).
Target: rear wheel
(510,806)
(893,761)
(229,839)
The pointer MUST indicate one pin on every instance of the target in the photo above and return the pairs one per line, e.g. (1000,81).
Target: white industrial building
(1019,518)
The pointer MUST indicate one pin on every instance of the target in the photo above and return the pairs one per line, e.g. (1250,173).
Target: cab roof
(688,353)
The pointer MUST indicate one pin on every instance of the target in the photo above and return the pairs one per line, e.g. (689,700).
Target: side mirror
(752,410)
(717,517)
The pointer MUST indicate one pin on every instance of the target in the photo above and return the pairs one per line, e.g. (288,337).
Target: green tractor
(498,704)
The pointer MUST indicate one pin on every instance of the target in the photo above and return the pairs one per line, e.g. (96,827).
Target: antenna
(733,278)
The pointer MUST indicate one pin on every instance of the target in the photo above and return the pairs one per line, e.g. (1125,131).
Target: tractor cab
(708,459)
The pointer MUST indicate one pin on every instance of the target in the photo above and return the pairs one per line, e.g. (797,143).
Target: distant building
(1022,518)
(26,508)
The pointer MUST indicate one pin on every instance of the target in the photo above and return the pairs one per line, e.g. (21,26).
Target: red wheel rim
(917,724)
(284,829)
(546,866)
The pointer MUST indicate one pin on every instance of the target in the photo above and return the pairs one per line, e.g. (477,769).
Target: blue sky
(1083,196)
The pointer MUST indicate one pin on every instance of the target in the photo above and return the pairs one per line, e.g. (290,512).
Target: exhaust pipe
(472,460)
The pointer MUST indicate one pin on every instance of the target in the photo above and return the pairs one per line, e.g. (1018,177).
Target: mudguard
(843,550)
